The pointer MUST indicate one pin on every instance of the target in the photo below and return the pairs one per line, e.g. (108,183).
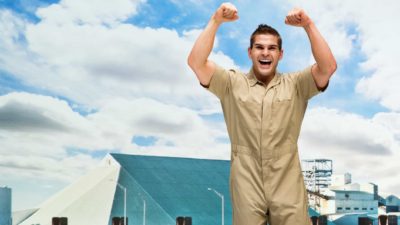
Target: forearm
(203,46)
(198,57)
(326,63)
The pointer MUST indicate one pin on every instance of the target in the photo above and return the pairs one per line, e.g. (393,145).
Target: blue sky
(79,79)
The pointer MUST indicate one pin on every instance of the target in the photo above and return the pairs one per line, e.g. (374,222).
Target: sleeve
(306,85)
(220,82)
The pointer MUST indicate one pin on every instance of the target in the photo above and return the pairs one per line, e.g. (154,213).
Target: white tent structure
(87,201)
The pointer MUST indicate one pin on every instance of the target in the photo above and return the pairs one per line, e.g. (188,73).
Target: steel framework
(317,174)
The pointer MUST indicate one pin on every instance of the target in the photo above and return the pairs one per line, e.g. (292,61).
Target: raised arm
(198,57)
(326,63)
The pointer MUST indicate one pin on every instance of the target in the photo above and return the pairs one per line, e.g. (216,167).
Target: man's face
(265,55)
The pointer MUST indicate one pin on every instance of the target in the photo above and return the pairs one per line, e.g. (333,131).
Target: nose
(265,52)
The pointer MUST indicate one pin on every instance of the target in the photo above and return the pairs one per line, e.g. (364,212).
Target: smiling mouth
(265,62)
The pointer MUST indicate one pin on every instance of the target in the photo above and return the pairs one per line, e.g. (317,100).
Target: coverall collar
(253,79)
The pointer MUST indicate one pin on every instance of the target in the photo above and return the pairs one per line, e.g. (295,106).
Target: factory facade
(344,202)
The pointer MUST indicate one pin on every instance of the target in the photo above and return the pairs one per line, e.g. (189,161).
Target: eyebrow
(261,45)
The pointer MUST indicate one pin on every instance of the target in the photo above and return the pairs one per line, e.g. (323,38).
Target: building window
(371,209)
(356,208)
(339,208)
(348,208)
(364,208)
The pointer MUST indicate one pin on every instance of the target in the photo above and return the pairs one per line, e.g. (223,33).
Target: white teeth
(265,60)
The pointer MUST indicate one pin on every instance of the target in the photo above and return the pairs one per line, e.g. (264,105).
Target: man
(263,111)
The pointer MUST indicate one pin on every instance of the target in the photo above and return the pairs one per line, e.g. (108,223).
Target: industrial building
(344,202)
(5,206)
(350,197)
(144,189)
(348,203)
(334,193)
(392,204)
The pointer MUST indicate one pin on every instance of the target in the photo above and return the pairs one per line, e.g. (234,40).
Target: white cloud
(44,141)
(41,125)
(46,128)
(390,121)
(89,11)
(115,59)
(180,126)
(10,27)
(92,63)
(379,40)
(333,20)
(367,148)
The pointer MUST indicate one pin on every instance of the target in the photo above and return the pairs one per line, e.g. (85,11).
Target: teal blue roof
(174,187)
(170,187)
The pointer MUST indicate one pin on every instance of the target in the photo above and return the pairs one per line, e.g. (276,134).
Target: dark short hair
(265,29)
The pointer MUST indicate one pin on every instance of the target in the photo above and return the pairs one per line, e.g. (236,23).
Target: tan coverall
(263,123)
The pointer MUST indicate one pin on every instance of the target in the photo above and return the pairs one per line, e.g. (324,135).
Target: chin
(265,73)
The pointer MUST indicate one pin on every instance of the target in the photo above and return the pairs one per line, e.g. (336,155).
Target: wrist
(308,26)
(216,21)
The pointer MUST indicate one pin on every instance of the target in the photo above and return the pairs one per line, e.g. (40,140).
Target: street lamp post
(222,203)
(124,189)
(144,209)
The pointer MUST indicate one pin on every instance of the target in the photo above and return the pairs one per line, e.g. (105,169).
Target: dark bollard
(392,220)
(59,221)
(122,221)
(322,220)
(119,221)
(55,221)
(63,221)
(382,219)
(364,221)
(180,220)
(115,221)
(314,220)
(188,221)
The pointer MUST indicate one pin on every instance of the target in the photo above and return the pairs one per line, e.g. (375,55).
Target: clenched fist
(227,12)
(297,17)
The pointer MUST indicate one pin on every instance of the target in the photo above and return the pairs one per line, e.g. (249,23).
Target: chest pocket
(282,103)
(250,112)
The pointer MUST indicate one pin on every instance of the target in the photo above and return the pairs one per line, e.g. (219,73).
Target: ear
(281,54)
(249,52)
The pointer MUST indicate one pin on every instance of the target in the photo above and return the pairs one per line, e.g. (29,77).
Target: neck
(264,79)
